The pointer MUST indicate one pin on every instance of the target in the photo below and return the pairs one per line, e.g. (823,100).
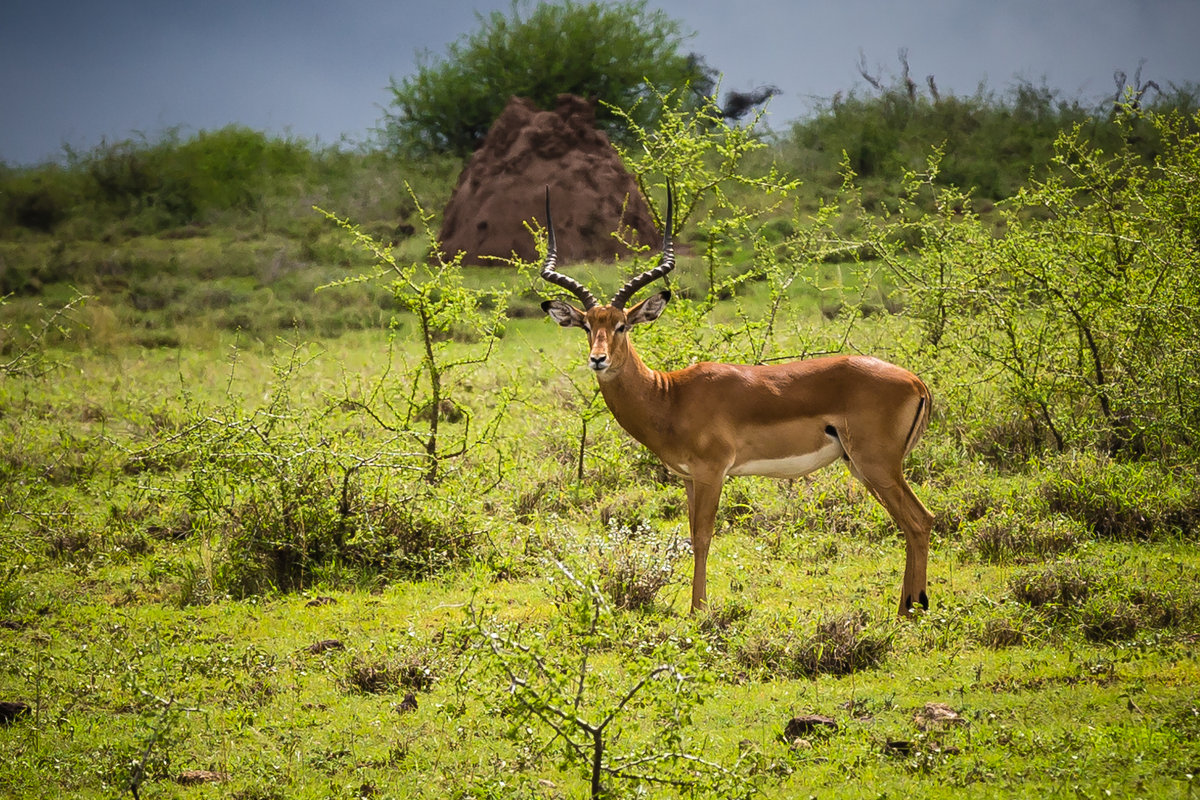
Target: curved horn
(665,264)
(557,278)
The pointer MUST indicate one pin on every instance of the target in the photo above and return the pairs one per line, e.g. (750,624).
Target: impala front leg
(703,498)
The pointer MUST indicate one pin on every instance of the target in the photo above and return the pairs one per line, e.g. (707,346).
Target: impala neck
(638,398)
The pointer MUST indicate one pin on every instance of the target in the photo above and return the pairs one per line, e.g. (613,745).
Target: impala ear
(564,314)
(649,309)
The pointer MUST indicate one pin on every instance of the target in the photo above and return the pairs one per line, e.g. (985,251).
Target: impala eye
(587,328)
(620,327)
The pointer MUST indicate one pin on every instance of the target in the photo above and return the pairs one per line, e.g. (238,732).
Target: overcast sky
(73,73)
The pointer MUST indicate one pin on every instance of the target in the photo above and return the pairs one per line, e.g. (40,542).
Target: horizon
(75,75)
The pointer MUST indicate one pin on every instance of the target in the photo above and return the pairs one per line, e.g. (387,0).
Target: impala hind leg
(894,494)
(904,505)
(703,498)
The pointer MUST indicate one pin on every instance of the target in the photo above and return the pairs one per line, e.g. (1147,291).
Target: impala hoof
(907,606)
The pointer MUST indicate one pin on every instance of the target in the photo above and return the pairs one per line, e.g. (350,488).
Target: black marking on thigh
(924,599)
(832,433)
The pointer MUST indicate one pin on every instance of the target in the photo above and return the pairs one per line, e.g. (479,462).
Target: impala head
(607,326)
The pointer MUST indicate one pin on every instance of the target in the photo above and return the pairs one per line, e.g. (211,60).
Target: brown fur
(708,421)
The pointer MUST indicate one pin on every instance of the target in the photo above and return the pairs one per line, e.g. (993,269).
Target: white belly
(791,466)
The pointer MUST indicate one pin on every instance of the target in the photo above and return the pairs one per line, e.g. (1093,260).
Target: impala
(708,421)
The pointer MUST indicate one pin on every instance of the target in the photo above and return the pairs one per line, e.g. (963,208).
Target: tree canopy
(616,53)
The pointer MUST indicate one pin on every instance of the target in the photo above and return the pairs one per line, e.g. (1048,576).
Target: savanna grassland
(291,510)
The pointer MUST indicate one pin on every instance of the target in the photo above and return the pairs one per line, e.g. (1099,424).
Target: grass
(1062,636)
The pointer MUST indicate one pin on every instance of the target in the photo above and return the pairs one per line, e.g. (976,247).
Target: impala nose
(598,362)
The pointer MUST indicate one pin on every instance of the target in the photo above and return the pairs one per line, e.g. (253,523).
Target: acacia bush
(544,684)
(298,490)
(1083,312)
(446,311)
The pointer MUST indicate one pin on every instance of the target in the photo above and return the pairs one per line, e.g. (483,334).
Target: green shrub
(291,493)
(37,199)
(635,564)
(614,52)
(1082,316)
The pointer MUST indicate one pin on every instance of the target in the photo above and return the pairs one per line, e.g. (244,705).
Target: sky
(75,74)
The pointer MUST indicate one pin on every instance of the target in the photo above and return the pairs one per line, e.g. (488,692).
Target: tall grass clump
(1116,599)
(834,644)
(1124,501)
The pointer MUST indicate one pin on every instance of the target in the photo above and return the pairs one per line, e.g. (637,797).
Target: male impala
(709,421)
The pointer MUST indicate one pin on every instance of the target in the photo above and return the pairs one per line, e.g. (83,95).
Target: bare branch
(874,80)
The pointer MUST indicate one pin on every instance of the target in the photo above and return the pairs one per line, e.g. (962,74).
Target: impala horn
(557,278)
(665,264)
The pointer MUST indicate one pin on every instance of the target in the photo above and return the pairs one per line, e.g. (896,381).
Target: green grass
(131,658)
(200,432)
(223,573)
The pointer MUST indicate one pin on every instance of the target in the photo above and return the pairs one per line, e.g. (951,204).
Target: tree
(612,52)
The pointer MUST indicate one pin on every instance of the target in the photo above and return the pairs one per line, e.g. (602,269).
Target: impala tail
(920,420)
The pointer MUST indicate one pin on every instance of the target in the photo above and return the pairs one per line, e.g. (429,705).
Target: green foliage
(613,52)
(717,192)
(157,185)
(446,310)
(37,200)
(708,164)
(23,348)
(1106,602)
(288,494)
(992,142)
(232,177)
(1111,280)
(1084,307)
(175,182)
(550,681)
(1126,502)
(241,571)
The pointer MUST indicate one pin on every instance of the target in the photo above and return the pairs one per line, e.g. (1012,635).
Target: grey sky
(76,72)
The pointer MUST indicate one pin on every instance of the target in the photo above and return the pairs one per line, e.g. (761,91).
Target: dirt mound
(504,184)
